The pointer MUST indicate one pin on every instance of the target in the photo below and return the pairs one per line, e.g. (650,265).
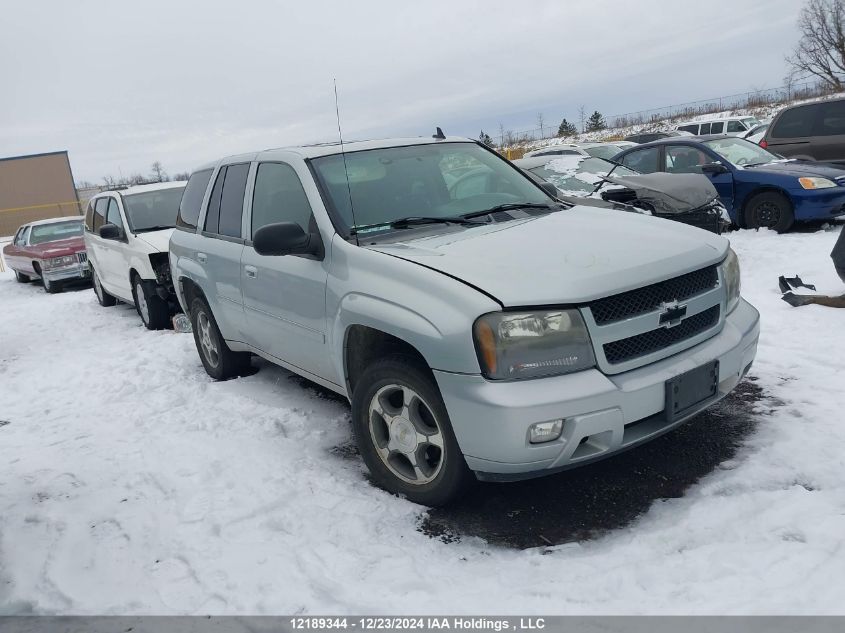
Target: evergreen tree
(485,138)
(566,129)
(596,122)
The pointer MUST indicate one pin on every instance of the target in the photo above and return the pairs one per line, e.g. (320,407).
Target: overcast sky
(121,84)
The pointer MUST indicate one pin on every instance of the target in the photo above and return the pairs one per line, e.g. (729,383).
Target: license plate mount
(687,391)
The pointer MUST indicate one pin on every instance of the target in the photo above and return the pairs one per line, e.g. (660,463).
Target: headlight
(58,262)
(730,273)
(514,345)
(811,182)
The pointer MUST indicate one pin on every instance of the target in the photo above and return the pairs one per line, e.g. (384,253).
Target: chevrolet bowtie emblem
(672,313)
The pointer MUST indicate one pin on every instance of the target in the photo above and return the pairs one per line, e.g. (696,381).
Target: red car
(53,250)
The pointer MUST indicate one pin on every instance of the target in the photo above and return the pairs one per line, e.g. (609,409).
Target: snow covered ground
(132,483)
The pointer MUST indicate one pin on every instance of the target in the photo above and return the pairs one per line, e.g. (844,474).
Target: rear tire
(150,307)
(21,278)
(404,433)
(769,210)
(104,298)
(220,362)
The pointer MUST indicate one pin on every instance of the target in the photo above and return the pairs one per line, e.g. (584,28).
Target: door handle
(251,271)
(202,258)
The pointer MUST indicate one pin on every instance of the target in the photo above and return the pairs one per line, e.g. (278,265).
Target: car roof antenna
(439,134)
(345,169)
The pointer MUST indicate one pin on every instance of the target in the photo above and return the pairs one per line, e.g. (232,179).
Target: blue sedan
(758,188)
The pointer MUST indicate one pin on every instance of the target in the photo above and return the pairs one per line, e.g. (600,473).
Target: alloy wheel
(207,340)
(141,298)
(406,434)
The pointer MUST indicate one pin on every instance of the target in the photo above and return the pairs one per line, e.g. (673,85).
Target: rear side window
(704,129)
(717,128)
(113,214)
(795,122)
(212,216)
(692,129)
(644,161)
(279,197)
(189,208)
(830,119)
(89,216)
(99,213)
(225,208)
(232,200)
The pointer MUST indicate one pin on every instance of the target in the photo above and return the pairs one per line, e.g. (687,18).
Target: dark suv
(811,131)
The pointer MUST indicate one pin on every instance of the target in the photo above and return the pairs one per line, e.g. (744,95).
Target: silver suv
(486,331)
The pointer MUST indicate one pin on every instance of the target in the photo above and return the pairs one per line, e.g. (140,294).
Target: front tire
(50,287)
(404,433)
(220,362)
(151,308)
(103,297)
(21,278)
(770,210)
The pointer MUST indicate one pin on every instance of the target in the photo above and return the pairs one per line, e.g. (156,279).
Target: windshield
(432,180)
(58,231)
(603,151)
(577,175)
(152,209)
(738,151)
(751,122)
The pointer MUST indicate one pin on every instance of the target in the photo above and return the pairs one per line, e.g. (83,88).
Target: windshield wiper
(510,206)
(416,220)
(146,229)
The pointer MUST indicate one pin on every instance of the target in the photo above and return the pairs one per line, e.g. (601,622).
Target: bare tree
(582,116)
(158,174)
(501,135)
(540,122)
(182,175)
(821,49)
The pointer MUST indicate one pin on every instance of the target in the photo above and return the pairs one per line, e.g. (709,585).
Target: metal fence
(747,100)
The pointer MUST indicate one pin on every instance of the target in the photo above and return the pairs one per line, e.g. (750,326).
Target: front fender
(446,347)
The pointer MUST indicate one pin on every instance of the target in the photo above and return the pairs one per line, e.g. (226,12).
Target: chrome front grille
(642,326)
(642,344)
(83,257)
(648,298)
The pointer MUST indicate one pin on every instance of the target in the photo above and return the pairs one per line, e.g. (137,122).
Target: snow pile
(132,483)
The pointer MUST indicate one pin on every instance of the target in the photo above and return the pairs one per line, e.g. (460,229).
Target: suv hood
(159,240)
(570,256)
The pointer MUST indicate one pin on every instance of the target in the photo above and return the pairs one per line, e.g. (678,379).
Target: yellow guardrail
(40,206)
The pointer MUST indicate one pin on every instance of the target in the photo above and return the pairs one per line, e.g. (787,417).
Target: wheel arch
(189,290)
(363,344)
(765,189)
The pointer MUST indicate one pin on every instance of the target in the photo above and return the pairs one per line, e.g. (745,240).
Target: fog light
(545,431)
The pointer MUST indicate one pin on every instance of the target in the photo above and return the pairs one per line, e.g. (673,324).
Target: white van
(126,235)
(732,126)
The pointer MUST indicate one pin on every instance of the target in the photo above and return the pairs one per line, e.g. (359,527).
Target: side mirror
(286,238)
(714,169)
(111,232)
(550,189)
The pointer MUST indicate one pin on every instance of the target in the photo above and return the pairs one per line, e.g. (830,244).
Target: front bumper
(819,204)
(602,414)
(65,273)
